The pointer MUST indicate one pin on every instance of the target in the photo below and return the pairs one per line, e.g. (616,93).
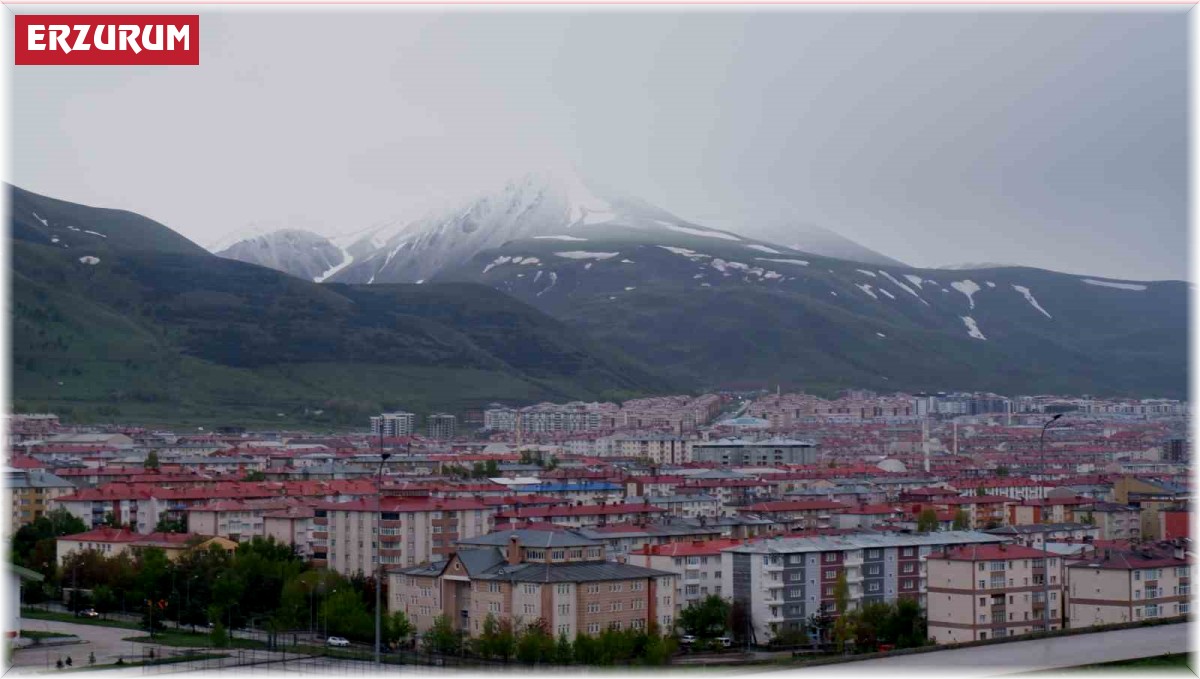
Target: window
(616,587)
(795,576)
(493,587)
(593,607)
(493,607)
(831,575)
(908,551)
(531,589)
(637,586)
(830,557)
(564,589)
(873,587)
(616,606)
(872,553)
(909,567)
(558,555)
(593,628)
(593,588)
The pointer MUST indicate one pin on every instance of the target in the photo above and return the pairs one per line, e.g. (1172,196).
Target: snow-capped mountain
(300,253)
(550,206)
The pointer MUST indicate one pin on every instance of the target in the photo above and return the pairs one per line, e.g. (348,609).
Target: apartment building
(578,516)
(657,448)
(526,575)
(1115,521)
(782,581)
(441,426)
(980,592)
(748,453)
(696,565)
(391,425)
(411,531)
(31,492)
(797,514)
(1114,586)
(685,506)
(545,418)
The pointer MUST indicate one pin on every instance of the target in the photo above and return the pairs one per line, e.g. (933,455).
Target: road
(1027,656)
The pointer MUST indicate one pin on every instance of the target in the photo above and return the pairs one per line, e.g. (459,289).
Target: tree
(169,525)
(218,635)
(707,618)
(491,469)
(398,628)
(40,536)
(1001,471)
(442,637)
(1088,519)
(111,520)
(961,520)
(980,491)
(535,645)
(843,627)
(152,460)
(564,654)
(103,599)
(927,521)
(254,475)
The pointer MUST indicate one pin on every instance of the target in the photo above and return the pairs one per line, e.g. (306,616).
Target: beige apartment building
(412,531)
(31,492)
(696,565)
(991,591)
(524,575)
(1111,586)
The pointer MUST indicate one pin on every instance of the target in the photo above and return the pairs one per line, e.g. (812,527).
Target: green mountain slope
(735,312)
(138,324)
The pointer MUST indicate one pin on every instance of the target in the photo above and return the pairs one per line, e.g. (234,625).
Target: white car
(337,641)
(687,639)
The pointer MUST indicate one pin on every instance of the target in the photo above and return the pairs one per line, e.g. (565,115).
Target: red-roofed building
(697,565)
(1115,585)
(113,541)
(991,591)
(578,516)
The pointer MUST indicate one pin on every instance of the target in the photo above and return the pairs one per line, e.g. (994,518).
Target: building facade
(992,591)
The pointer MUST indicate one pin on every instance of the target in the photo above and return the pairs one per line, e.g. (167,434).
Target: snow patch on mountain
(1113,284)
(798,262)
(914,279)
(867,289)
(88,259)
(972,327)
(886,292)
(1029,298)
(866,273)
(902,286)
(43,221)
(567,238)
(581,254)
(967,287)
(704,233)
(763,248)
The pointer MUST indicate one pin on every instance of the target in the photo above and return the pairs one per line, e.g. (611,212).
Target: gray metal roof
(583,571)
(531,538)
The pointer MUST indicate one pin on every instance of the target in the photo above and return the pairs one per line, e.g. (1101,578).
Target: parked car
(337,641)
(89,613)
(687,639)
(725,641)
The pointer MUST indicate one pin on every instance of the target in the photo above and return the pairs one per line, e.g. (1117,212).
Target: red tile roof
(989,553)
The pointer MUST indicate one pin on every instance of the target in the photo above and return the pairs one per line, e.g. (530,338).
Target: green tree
(961,520)
(491,469)
(442,637)
(218,636)
(565,652)
(1088,519)
(927,521)
(980,491)
(103,599)
(347,616)
(1002,471)
(707,618)
(169,525)
(42,532)
(843,627)
(398,628)
(152,460)
(535,645)
(254,475)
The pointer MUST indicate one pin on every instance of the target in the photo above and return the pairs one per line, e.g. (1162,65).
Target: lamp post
(1046,558)
(383,457)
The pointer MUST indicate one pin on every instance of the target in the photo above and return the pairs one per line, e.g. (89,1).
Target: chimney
(514,550)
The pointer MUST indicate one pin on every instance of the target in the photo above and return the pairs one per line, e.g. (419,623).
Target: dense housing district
(795,517)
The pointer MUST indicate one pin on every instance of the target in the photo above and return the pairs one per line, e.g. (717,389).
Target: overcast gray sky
(1053,139)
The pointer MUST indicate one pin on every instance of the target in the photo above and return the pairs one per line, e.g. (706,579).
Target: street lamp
(383,457)
(1046,552)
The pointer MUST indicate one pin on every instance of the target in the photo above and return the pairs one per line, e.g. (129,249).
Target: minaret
(925,441)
